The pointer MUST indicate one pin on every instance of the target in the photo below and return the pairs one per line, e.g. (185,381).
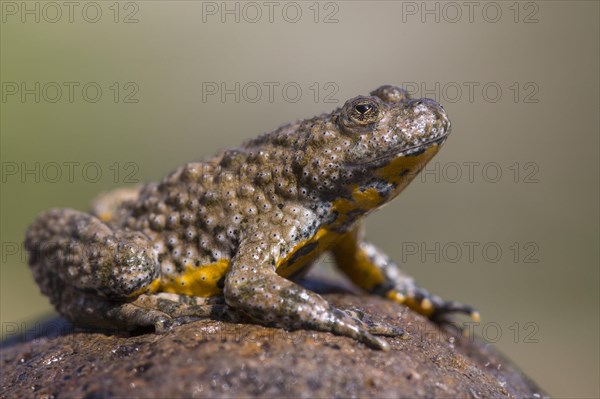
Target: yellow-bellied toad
(229,234)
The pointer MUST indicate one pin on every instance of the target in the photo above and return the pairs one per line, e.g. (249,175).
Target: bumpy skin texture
(227,236)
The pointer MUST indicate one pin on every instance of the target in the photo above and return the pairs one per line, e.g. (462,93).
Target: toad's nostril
(426,105)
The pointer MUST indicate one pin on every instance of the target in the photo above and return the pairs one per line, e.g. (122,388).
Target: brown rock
(211,358)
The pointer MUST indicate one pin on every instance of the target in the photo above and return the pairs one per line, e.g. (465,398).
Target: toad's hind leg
(160,311)
(87,268)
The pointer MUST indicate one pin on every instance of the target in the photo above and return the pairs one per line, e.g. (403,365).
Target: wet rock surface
(210,358)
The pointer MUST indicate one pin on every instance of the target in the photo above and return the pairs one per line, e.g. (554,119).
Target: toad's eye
(363,108)
(364,112)
(361,114)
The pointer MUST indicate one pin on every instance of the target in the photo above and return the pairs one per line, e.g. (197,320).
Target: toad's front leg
(369,268)
(253,287)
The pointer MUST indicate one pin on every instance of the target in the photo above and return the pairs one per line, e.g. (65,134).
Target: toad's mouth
(396,152)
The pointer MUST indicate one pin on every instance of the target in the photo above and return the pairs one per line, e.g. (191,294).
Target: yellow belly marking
(197,280)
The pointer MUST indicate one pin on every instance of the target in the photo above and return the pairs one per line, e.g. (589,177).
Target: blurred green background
(519,175)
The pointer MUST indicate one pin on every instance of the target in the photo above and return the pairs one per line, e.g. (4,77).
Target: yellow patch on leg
(424,307)
(396,296)
(355,263)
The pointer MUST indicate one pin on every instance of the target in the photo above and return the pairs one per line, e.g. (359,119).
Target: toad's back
(195,216)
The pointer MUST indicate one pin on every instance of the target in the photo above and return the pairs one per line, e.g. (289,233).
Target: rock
(210,358)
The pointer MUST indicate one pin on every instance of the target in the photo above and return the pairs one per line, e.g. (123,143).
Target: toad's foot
(429,305)
(375,328)
(161,311)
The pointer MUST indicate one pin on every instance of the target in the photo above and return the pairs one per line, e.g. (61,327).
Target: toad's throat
(397,153)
